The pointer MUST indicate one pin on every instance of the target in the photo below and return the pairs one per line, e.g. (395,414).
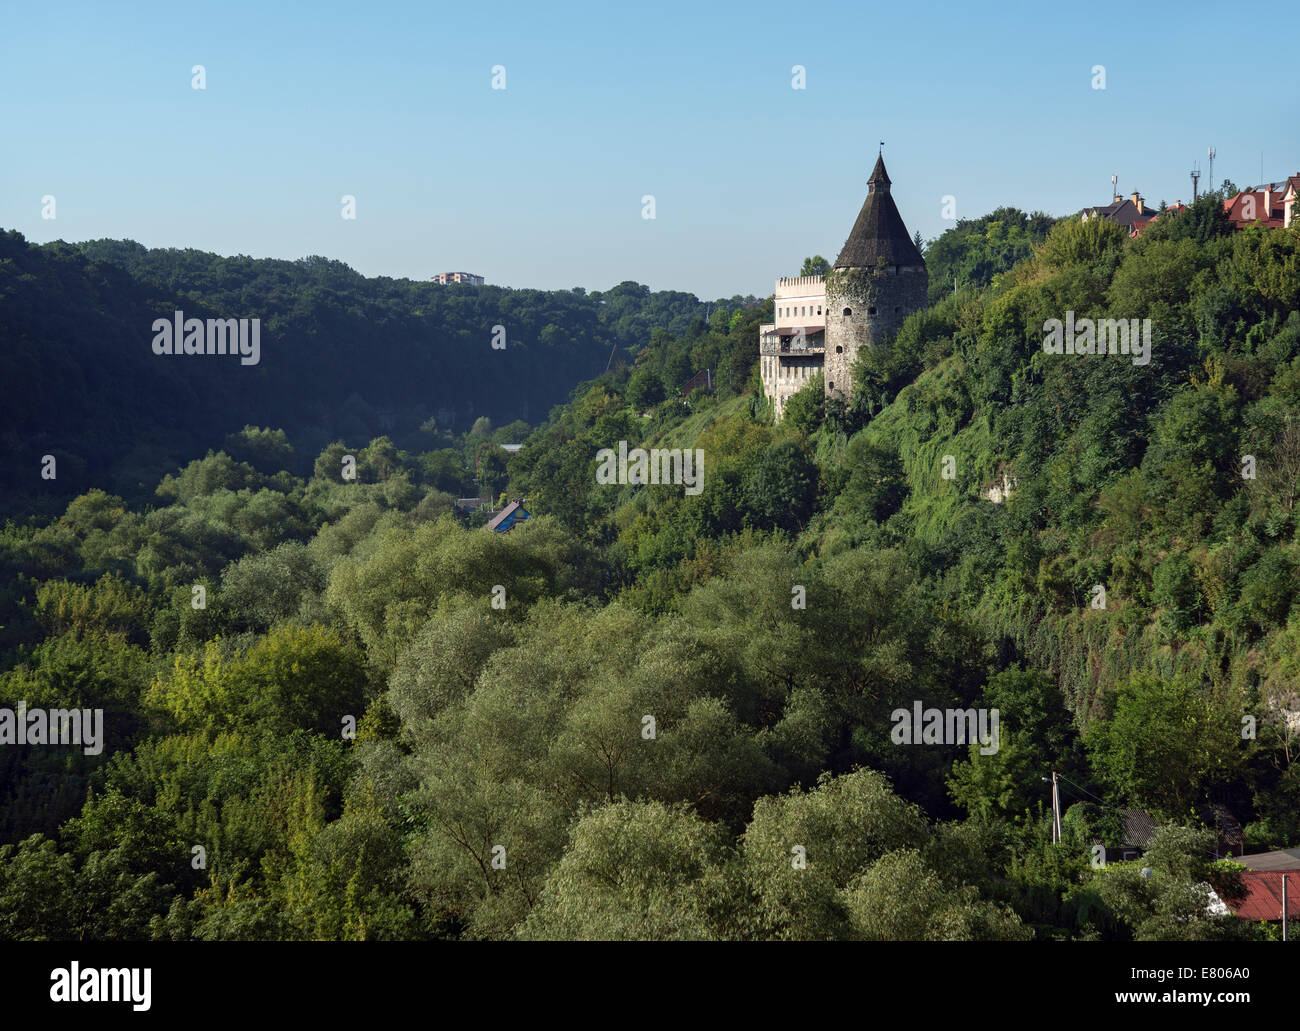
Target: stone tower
(878,280)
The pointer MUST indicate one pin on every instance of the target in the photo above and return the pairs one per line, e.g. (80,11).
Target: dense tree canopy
(336,706)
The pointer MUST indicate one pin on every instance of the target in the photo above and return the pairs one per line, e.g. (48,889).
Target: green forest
(342,356)
(338,708)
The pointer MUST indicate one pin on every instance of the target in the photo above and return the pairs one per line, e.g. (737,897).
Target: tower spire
(879,180)
(879,234)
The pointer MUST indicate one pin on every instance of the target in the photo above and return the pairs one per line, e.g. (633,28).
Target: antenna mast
(1114,185)
(1196,174)
(1211,153)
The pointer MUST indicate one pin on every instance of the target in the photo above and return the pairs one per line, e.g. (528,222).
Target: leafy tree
(1176,591)
(898,898)
(442,663)
(110,606)
(263,589)
(635,871)
(38,897)
(1268,589)
(781,489)
(1166,742)
(293,677)
(266,450)
(1171,900)
(806,409)
(1036,733)
(1188,463)
(976,250)
(841,827)
(645,389)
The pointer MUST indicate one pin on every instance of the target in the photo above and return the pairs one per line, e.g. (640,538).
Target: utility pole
(1284,879)
(1056,811)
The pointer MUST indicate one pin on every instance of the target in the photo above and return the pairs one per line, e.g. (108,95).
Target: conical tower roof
(879,231)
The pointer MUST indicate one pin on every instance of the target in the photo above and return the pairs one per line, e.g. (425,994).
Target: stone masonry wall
(893,293)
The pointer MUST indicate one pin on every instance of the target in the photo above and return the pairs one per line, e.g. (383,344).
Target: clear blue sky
(540,184)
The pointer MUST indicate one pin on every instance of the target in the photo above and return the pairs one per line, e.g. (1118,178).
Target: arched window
(848,312)
(839,349)
(832,384)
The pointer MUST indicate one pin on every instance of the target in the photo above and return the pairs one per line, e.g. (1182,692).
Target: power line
(1116,809)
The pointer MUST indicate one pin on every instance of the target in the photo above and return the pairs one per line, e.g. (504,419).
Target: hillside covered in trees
(644,713)
(340,355)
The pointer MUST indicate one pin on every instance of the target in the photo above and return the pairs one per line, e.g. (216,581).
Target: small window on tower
(871,311)
(832,384)
(848,312)
(839,349)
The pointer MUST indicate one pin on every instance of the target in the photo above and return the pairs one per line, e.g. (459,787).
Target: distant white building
(793,348)
(458,277)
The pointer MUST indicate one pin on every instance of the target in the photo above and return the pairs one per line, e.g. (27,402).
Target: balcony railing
(776,347)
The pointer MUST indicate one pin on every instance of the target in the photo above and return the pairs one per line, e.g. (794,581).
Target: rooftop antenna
(1196,174)
(1211,153)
